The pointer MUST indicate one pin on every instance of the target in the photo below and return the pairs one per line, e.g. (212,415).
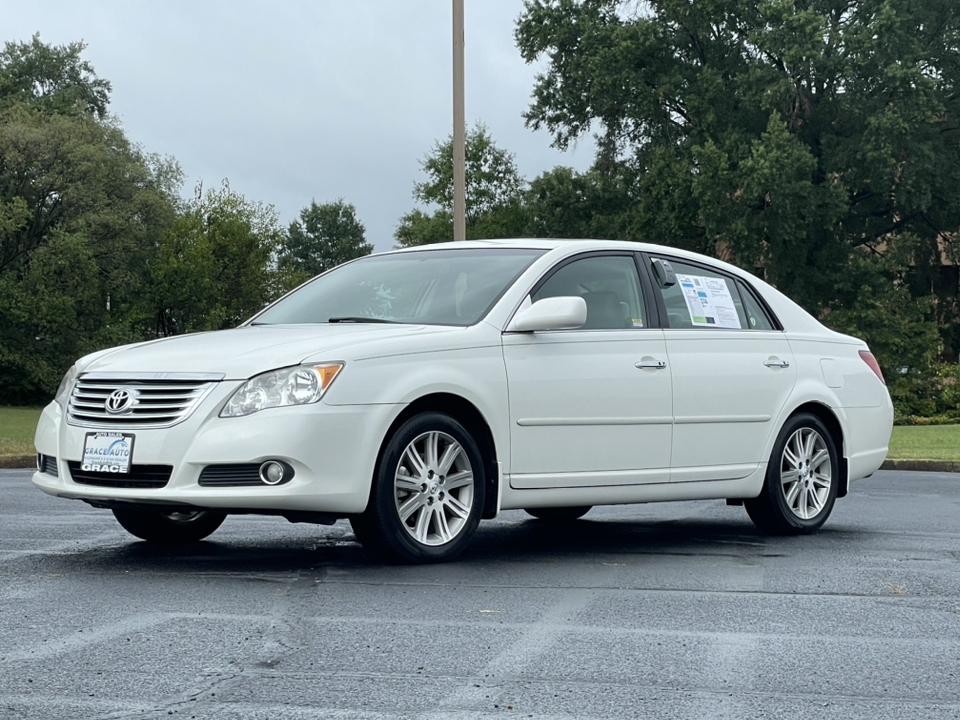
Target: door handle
(776,362)
(650,363)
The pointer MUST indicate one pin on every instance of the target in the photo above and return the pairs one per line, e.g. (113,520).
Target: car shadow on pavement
(527,541)
(537,539)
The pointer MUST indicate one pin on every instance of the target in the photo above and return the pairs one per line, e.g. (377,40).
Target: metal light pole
(459,131)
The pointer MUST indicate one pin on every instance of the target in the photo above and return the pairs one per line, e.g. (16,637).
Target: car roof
(573,246)
(547,244)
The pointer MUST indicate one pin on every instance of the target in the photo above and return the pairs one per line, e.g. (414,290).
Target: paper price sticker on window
(109,452)
(708,301)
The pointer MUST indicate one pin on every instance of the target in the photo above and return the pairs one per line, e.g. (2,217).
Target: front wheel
(169,527)
(801,483)
(427,493)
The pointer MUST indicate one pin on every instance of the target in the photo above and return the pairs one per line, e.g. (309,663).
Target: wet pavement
(677,610)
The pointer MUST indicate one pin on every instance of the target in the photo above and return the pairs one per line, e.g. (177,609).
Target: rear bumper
(867,440)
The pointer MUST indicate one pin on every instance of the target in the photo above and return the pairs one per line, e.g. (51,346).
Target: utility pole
(459,131)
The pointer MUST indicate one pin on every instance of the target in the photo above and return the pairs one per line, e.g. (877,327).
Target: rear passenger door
(732,371)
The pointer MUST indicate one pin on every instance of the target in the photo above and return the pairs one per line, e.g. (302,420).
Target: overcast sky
(295,100)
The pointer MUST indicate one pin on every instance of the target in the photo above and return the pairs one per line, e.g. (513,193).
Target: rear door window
(704,299)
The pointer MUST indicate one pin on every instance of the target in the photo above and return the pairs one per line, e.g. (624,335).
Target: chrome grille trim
(161,399)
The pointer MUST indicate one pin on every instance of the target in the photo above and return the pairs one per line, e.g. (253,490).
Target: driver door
(591,406)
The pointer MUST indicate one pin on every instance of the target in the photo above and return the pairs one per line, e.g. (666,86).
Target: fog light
(274,473)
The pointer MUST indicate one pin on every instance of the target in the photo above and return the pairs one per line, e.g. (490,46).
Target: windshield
(431,287)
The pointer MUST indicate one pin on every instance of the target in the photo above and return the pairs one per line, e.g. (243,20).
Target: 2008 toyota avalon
(420,391)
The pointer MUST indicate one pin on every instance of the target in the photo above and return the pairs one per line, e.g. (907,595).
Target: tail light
(870,360)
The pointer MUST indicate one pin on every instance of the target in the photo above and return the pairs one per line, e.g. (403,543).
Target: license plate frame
(108,452)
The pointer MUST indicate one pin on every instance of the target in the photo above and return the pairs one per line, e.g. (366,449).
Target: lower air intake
(140,476)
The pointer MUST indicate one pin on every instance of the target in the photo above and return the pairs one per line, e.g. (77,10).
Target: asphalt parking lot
(671,610)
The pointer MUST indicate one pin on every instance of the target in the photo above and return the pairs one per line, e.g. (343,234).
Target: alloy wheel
(806,473)
(434,488)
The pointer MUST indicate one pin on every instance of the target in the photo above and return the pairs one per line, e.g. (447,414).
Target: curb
(922,465)
(18,461)
(30,461)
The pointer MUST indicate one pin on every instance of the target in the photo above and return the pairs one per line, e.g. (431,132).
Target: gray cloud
(293,101)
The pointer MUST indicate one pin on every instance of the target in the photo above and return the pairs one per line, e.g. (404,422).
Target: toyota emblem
(120,401)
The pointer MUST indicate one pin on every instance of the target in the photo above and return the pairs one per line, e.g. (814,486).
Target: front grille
(231,475)
(136,400)
(140,476)
(47,464)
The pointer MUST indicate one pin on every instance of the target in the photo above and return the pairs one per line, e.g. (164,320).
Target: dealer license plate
(107,452)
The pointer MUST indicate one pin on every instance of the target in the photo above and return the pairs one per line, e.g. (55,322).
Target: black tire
(169,528)
(434,509)
(559,514)
(788,506)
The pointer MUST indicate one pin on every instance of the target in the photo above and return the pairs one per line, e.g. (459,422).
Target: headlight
(298,385)
(66,385)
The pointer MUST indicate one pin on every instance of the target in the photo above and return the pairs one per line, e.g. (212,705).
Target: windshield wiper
(359,319)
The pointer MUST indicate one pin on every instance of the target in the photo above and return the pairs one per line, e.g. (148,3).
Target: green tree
(81,210)
(51,78)
(817,140)
(564,203)
(325,236)
(213,269)
(495,194)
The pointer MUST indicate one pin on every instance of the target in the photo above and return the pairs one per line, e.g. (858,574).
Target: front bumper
(333,450)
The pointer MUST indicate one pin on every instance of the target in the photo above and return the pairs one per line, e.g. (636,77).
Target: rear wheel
(802,477)
(559,514)
(169,527)
(427,492)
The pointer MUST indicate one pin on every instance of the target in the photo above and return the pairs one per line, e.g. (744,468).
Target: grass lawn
(925,442)
(909,442)
(16,430)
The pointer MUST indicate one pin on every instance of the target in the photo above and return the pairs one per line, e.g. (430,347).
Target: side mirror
(666,277)
(555,313)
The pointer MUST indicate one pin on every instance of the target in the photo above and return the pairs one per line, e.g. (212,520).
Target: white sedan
(417,392)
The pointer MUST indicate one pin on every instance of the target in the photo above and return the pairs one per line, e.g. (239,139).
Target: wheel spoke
(410,506)
(423,523)
(791,494)
(457,507)
(443,529)
(816,502)
(822,455)
(450,454)
(459,480)
(419,466)
(790,476)
(405,482)
(431,449)
(802,502)
(790,454)
(808,442)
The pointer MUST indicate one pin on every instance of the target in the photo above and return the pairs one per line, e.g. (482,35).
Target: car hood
(246,351)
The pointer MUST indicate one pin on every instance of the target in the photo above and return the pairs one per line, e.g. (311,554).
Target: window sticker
(636,322)
(708,301)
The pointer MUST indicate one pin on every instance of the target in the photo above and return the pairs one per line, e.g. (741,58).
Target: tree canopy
(325,236)
(51,78)
(815,140)
(494,205)
(97,248)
